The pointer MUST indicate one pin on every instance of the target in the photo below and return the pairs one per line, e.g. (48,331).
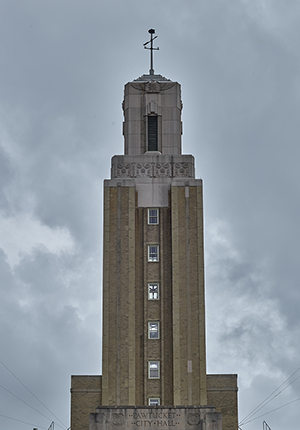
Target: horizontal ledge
(85,390)
(222,389)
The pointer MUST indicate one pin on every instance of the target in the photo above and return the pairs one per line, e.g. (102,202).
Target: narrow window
(153,330)
(152,133)
(153,291)
(154,401)
(153,369)
(153,216)
(153,253)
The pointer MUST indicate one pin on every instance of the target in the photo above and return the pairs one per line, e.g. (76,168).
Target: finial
(151,31)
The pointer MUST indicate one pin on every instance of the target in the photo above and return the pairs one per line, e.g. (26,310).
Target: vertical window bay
(152,133)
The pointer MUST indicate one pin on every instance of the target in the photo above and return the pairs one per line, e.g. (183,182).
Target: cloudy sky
(63,65)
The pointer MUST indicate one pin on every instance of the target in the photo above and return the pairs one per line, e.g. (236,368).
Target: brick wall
(222,393)
(86,395)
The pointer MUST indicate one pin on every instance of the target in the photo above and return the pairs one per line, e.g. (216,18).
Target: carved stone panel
(153,170)
(163,170)
(183,170)
(155,418)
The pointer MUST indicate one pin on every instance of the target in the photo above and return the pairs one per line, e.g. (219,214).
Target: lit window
(153,367)
(153,291)
(153,216)
(153,252)
(154,401)
(153,330)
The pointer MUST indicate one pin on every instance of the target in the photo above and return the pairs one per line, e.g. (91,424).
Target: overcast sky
(63,65)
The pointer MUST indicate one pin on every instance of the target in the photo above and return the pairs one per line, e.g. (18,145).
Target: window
(153,253)
(152,133)
(153,216)
(154,401)
(153,330)
(153,291)
(153,369)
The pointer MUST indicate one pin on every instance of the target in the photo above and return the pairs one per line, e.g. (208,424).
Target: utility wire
(273,410)
(263,403)
(29,405)
(23,422)
(32,394)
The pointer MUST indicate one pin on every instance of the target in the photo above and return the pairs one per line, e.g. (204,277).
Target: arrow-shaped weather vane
(151,31)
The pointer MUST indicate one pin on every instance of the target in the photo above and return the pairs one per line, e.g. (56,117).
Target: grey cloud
(63,67)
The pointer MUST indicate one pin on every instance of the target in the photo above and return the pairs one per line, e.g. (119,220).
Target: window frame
(152,293)
(154,398)
(151,259)
(149,216)
(158,369)
(153,331)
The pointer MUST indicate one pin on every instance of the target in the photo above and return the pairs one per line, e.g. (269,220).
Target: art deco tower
(153,290)
(153,269)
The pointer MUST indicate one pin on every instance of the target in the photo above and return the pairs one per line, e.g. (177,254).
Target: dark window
(152,133)
(152,216)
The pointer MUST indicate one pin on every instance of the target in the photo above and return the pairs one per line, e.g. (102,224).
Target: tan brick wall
(222,394)
(119,296)
(188,296)
(86,395)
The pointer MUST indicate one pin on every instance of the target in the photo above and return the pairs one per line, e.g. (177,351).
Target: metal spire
(151,31)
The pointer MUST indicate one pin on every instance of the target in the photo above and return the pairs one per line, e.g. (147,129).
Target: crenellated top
(152,116)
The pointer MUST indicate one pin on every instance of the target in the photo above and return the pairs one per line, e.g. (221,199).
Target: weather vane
(151,31)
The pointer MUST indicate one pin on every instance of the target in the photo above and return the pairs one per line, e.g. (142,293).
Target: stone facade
(169,418)
(153,97)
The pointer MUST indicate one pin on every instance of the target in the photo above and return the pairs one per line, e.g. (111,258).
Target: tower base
(156,418)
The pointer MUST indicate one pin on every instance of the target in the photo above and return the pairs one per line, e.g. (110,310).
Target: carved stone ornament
(153,170)
(152,86)
(118,419)
(163,170)
(123,170)
(143,170)
(193,419)
(183,170)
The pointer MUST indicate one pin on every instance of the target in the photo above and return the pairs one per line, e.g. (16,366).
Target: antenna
(265,426)
(151,31)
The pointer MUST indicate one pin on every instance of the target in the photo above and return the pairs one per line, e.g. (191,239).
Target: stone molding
(153,170)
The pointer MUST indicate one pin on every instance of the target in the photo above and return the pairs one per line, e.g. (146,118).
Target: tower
(153,290)
(154,352)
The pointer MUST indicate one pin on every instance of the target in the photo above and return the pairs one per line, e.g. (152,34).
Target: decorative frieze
(153,170)
(184,170)
(152,86)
